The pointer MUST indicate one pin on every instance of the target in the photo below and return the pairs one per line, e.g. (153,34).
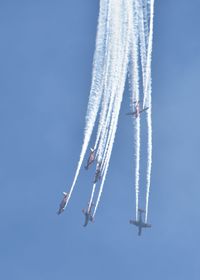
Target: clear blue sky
(46,55)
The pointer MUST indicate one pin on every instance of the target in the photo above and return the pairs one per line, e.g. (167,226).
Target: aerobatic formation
(123,48)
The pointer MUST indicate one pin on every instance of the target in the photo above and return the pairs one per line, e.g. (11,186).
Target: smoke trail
(135,98)
(118,100)
(113,76)
(110,78)
(122,30)
(110,115)
(92,196)
(111,142)
(149,160)
(105,99)
(107,160)
(149,56)
(106,127)
(148,91)
(143,34)
(107,139)
(96,87)
(145,5)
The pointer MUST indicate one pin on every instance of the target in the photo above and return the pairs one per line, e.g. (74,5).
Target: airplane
(91,158)
(137,110)
(88,214)
(139,223)
(97,173)
(63,203)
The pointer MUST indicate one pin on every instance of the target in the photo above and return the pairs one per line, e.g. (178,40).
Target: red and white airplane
(137,111)
(91,158)
(63,203)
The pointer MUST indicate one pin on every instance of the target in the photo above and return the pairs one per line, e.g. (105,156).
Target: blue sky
(46,56)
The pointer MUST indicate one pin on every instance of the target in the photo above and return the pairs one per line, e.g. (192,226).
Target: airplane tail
(59,212)
(141,210)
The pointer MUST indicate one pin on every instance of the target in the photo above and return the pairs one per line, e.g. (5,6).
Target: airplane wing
(131,114)
(147,225)
(134,222)
(144,109)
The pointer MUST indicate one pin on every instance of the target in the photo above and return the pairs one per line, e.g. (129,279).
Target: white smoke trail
(143,34)
(123,31)
(107,160)
(148,91)
(149,160)
(92,196)
(149,55)
(113,129)
(118,100)
(107,140)
(134,79)
(115,66)
(145,5)
(111,66)
(96,87)
(112,75)
(106,97)
(106,126)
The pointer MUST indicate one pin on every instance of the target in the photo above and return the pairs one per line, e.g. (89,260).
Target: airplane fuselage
(90,159)
(88,215)
(137,111)
(62,204)
(97,175)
